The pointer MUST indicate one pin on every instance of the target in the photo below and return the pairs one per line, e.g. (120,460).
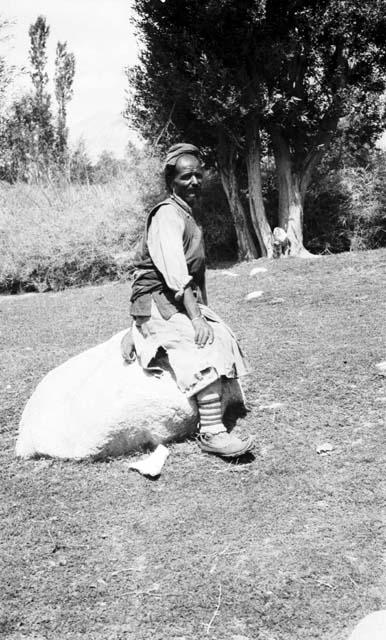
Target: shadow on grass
(246,458)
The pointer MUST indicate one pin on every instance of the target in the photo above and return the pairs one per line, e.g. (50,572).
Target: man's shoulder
(167,210)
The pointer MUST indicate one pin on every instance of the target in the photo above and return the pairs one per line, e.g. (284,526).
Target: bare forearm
(190,304)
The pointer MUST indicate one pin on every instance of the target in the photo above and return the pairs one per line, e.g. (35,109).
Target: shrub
(346,208)
(53,236)
(60,234)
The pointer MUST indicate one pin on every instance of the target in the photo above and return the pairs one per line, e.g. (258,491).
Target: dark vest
(149,283)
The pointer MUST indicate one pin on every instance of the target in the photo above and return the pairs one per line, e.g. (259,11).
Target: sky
(100,35)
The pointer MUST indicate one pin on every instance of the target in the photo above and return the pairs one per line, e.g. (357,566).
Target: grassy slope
(288,547)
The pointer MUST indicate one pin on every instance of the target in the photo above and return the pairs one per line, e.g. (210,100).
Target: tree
(5,79)
(108,167)
(5,69)
(224,72)
(81,167)
(64,77)
(31,148)
(43,134)
(187,86)
(325,59)
(18,160)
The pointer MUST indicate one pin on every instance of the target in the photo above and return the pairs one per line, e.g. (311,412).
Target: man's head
(183,172)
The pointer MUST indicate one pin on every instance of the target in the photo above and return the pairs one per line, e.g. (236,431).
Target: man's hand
(203,332)
(127,347)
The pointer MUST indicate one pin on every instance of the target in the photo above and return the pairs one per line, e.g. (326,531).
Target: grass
(57,235)
(287,547)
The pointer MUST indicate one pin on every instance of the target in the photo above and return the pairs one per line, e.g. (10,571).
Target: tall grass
(53,236)
(58,235)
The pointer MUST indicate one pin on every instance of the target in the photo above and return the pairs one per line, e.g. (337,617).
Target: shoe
(224,444)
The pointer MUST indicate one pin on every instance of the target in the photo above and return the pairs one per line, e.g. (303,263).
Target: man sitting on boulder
(169,304)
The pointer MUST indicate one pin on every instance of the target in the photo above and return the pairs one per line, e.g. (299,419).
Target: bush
(60,235)
(54,236)
(346,208)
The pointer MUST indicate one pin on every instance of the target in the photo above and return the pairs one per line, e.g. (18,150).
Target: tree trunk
(292,189)
(247,249)
(256,203)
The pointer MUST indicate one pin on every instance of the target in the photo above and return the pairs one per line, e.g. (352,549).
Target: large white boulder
(371,627)
(96,405)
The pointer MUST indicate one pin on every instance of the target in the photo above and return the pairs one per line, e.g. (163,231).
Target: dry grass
(287,547)
(55,236)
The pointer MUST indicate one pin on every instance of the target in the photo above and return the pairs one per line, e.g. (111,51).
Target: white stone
(272,405)
(257,270)
(324,448)
(371,627)
(381,368)
(253,295)
(96,405)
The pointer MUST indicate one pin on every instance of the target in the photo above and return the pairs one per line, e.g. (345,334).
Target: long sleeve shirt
(165,243)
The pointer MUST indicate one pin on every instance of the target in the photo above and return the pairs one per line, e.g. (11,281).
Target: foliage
(64,77)
(327,59)
(6,70)
(108,167)
(62,234)
(27,140)
(54,237)
(366,189)
(31,147)
(81,168)
(225,69)
(42,137)
(57,235)
(219,233)
(191,67)
(346,207)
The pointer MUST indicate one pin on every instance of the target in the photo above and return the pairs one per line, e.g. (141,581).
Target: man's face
(188,179)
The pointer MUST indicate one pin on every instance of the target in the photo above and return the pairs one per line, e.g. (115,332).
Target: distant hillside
(100,131)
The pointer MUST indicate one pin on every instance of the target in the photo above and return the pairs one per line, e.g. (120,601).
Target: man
(169,304)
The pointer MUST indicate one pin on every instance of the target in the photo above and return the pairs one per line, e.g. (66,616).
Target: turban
(180,149)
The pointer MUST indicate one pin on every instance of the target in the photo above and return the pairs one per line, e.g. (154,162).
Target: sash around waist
(165,301)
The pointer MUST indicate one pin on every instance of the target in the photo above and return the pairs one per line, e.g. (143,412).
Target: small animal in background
(371,627)
(281,243)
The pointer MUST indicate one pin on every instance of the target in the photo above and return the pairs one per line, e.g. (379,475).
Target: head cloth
(180,149)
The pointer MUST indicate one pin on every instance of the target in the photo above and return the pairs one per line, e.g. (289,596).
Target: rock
(371,627)
(272,405)
(253,295)
(257,270)
(96,405)
(381,368)
(324,449)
